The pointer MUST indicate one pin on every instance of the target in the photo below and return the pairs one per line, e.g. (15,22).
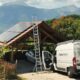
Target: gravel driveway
(25,69)
(47,75)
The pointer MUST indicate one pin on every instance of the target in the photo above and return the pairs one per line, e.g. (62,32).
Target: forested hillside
(69,26)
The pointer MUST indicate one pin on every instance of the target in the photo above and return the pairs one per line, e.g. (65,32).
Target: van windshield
(47,54)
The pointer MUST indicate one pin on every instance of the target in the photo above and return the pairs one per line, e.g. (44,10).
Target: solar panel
(20,27)
(14,31)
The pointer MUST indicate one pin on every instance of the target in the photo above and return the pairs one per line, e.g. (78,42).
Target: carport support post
(12,54)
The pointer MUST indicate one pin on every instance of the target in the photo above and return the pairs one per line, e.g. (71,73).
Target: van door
(77,54)
(47,59)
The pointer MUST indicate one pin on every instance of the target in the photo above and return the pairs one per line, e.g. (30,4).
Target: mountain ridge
(12,14)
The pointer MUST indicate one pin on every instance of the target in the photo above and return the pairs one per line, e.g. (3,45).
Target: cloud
(2,2)
(46,4)
(49,4)
(77,3)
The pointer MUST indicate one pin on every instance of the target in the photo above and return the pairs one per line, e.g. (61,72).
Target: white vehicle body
(68,56)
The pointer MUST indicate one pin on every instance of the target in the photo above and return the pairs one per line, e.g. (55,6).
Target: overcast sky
(46,4)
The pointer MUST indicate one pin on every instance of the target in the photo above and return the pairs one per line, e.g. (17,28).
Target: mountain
(12,14)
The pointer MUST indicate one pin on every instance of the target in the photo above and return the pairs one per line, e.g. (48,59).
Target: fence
(6,69)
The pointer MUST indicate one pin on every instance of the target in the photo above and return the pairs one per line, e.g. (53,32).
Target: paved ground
(46,76)
(25,69)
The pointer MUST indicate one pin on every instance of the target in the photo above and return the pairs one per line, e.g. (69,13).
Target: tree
(69,26)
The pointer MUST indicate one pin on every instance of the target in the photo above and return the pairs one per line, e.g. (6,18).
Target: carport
(20,36)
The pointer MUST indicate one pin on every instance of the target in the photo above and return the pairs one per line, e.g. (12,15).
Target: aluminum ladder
(38,64)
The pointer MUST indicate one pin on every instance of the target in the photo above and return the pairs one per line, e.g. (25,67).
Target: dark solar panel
(14,31)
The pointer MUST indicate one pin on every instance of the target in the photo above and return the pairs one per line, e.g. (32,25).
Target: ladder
(38,64)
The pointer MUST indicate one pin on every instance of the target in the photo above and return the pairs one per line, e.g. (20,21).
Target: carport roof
(21,29)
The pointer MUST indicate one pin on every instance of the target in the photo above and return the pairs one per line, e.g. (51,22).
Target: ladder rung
(35,33)
(37,56)
(36,39)
(38,59)
(39,69)
(38,62)
(37,47)
(39,65)
(35,28)
(36,36)
(37,50)
(36,43)
(37,53)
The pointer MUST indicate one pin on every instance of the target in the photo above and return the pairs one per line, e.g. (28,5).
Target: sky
(45,4)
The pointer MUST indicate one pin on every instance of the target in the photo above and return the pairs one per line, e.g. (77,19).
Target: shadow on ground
(76,77)
(24,67)
(27,67)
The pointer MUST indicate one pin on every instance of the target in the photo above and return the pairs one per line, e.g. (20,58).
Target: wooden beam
(12,54)
(48,35)
(15,39)
(44,39)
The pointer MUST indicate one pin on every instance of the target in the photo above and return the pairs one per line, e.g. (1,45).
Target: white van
(68,57)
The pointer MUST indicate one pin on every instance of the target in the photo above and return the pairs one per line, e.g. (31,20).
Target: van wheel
(70,72)
(52,68)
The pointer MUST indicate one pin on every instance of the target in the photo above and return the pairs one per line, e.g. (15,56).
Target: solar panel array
(14,31)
